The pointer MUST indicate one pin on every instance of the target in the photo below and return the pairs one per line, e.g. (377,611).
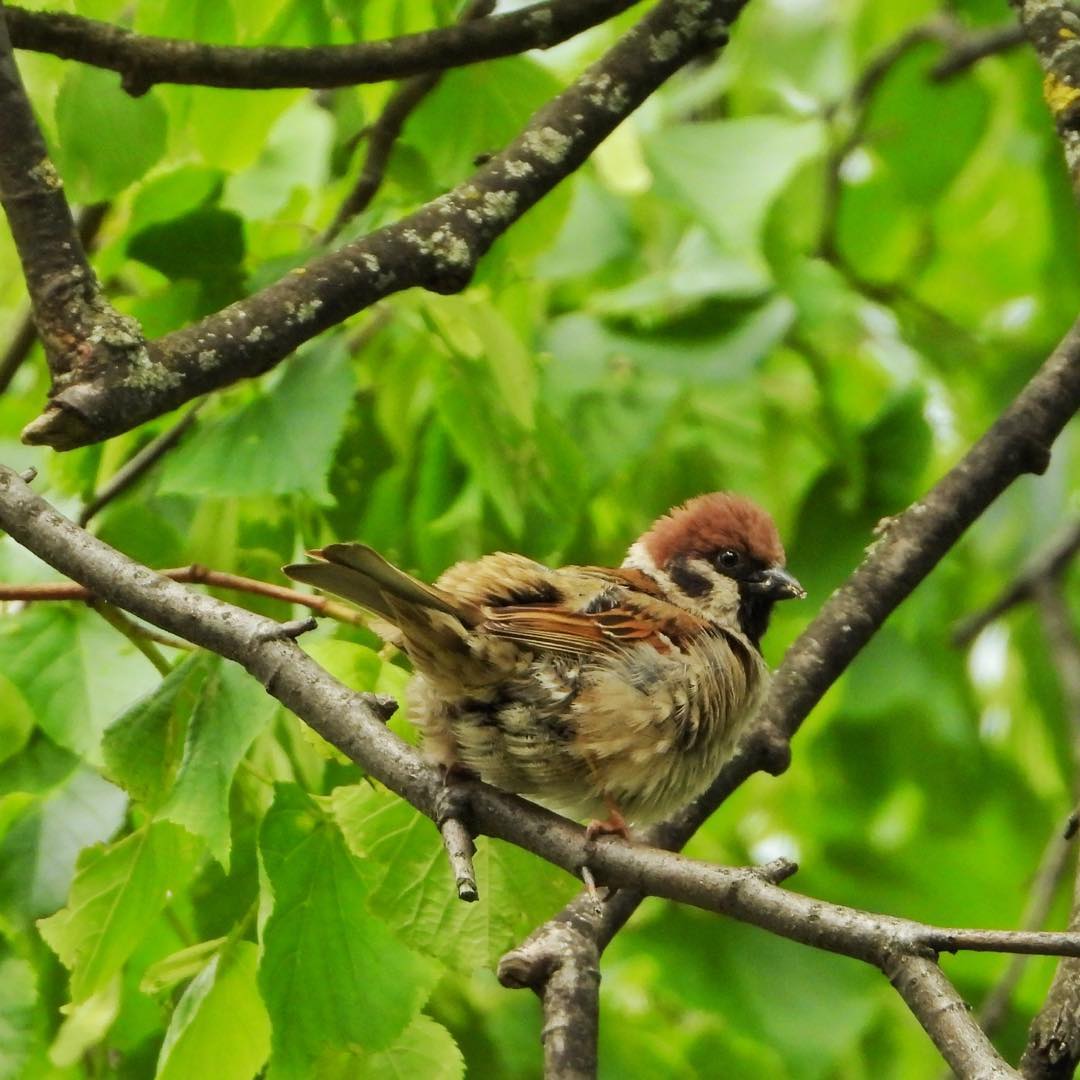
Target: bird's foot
(613,825)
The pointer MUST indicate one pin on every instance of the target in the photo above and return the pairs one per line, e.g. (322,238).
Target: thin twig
(385,131)
(1048,877)
(139,464)
(1047,563)
(130,629)
(966,50)
(452,815)
(196,575)
(347,720)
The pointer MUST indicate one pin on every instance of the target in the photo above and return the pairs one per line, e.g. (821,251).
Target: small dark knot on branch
(777,870)
(28,476)
(774,750)
(1033,454)
(287,631)
(382,705)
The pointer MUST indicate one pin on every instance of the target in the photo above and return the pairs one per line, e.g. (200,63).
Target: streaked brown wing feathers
(636,620)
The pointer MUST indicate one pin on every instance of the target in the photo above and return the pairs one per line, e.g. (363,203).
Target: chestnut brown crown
(710,523)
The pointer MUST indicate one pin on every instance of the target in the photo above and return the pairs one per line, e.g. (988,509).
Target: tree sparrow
(595,690)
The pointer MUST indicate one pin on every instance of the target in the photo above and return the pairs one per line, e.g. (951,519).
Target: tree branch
(966,50)
(88,222)
(906,551)
(69,308)
(143,61)
(1053,28)
(112,385)
(1053,1048)
(195,575)
(1046,564)
(563,967)
(945,1016)
(385,131)
(353,722)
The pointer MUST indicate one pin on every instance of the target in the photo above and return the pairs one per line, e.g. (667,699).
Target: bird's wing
(597,610)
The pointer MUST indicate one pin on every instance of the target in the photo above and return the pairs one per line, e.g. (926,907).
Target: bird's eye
(728,560)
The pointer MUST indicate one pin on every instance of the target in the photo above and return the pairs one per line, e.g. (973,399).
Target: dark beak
(777,584)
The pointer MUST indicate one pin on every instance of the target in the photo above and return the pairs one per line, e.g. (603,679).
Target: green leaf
(85,1024)
(39,852)
(107,139)
(412,888)
(179,966)
(332,974)
(142,749)
(117,893)
(511,89)
(281,442)
(755,155)
(18,998)
(473,328)
(221,1008)
(16,719)
(74,671)
(172,195)
(425,1049)
(231,709)
(203,243)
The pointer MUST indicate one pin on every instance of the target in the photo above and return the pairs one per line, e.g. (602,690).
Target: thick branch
(1053,1049)
(1053,28)
(353,723)
(87,223)
(143,61)
(946,1018)
(68,305)
(437,247)
(563,968)
(904,554)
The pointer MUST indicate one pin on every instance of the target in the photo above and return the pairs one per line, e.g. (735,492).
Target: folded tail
(359,574)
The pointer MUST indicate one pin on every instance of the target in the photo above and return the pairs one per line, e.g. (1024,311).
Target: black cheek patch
(690,581)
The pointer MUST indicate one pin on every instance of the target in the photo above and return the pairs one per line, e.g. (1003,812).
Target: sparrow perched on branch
(595,690)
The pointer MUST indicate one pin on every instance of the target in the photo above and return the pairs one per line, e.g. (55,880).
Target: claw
(613,825)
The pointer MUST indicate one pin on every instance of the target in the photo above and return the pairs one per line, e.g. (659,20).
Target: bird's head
(720,556)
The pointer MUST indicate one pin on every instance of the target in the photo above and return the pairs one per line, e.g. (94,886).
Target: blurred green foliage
(735,293)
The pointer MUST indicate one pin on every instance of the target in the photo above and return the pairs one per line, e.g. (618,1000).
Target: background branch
(1053,1048)
(1053,28)
(88,222)
(907,549)
(142,61)
(437,247)
(384,132)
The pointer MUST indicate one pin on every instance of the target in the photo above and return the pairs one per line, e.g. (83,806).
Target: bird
(613,694)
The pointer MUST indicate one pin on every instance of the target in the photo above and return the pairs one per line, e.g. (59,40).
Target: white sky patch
(792,8)
(988,659)
(775,846)
(1014,315)
(799,101)
(939,414)
(995,722)
(858,166)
